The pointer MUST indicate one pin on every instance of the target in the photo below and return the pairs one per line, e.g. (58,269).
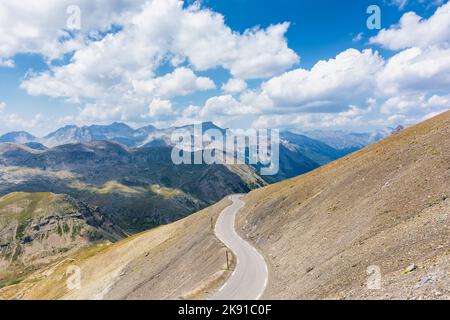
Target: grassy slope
(182,260)
(386,205)
(39,228)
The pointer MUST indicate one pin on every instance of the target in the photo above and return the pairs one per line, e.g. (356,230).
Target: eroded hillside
(39,228)
(183,260)
(137,188)
(385,206)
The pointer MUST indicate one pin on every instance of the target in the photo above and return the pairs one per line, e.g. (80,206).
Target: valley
(383,206)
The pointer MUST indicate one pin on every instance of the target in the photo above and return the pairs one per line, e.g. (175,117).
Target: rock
(309,269)
(410,268)
(424,280)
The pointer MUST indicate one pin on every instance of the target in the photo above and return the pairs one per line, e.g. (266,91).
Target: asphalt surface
(249,279)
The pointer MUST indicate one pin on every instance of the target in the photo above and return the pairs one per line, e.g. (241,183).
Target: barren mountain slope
(386,205)
(38,228)
(138,189)
(183,260)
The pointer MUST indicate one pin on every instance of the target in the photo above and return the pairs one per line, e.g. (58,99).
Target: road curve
(249,279)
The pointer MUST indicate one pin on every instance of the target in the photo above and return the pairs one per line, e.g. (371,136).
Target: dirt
(385,206)
(183,260)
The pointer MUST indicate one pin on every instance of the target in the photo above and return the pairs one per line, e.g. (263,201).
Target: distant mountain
(137,188)
(299,153)
(72,134)
(35,146)
(18,137)
(316,150)
(148,136)
(346,140)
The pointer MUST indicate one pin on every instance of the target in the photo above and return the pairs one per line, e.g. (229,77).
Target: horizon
(293,130)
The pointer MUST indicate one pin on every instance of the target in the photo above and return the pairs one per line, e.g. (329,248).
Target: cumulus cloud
(344,79)
(121,68)
(416,69)
(159,109)
(41,27)
(418,103)
(6,63)
(161,49)
(234,86)
(414,31)
(180,82)
(348,89)
(12,121)
(225,105)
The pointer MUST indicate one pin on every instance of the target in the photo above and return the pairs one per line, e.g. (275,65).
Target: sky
(241,63)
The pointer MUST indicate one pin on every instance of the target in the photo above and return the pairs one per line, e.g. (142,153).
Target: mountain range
(152,136)
(299,152)
(385,207)
(138,188)
(79,186)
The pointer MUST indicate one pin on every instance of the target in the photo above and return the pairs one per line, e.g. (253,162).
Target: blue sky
(44,84)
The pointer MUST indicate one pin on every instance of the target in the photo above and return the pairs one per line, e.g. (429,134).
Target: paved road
(249,280)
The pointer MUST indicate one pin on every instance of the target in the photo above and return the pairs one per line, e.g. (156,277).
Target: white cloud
(180,82)
(120,69)
(400,3)
(118,74)
(337,82)
(101,112)
(6,63)
(234,86)
(191,111)
(414,70)
(38,27)
(414,31)
(302,121)
(415,103)
(159,109)
(13,121)
(433,114)
(225,106)
(358,37)
(204,38)
(2,106)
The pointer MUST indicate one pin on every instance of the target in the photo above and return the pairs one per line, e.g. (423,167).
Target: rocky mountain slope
(183,260)
(137,188)
(298,153)
(37,228)
(383,208)
(347,141)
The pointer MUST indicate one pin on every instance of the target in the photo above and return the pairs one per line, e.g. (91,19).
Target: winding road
(249,279)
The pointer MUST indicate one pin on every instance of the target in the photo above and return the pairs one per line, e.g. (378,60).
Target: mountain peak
(17,137)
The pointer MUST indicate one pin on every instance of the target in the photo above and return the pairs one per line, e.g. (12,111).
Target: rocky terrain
(38,228)
(347,141)
(298,153)
(138,189)
(385,208)
(183,260)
